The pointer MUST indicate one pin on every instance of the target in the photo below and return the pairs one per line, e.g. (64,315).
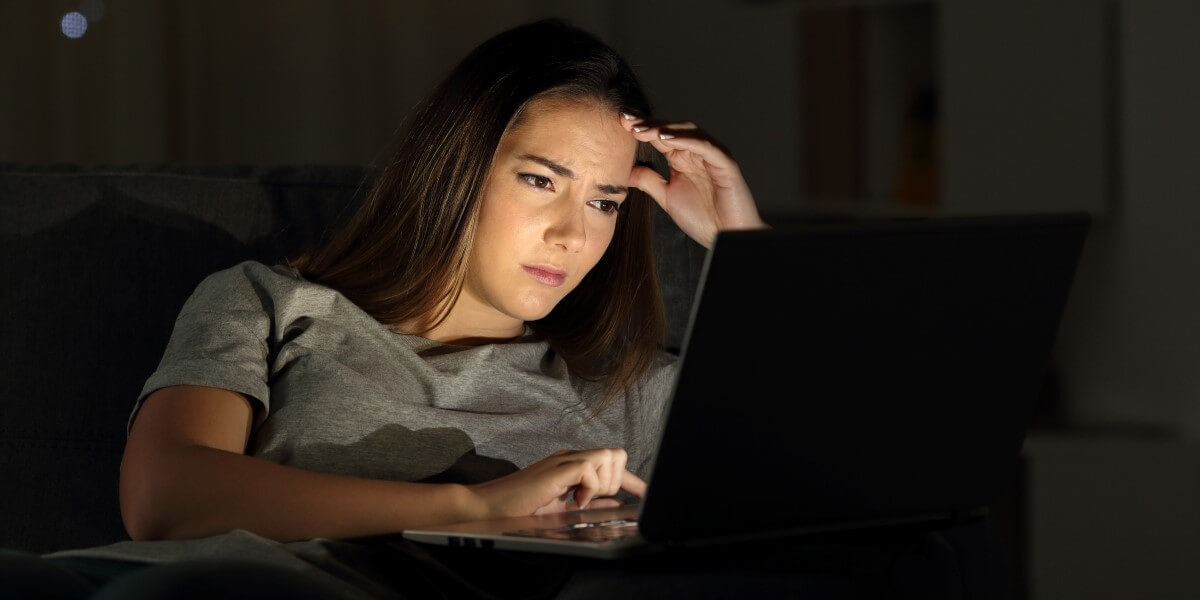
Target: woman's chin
(528,315)
(533,307)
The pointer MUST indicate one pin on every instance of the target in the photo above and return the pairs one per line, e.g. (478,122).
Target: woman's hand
(543,486)
(706,192)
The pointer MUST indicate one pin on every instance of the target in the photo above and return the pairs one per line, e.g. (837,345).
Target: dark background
(832,108)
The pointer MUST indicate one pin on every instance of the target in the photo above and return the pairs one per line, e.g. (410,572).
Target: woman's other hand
(706,192)
(543,487)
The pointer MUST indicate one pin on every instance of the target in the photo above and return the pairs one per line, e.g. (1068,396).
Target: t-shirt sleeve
(220,340)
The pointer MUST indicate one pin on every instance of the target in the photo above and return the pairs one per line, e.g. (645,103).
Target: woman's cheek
(603,239)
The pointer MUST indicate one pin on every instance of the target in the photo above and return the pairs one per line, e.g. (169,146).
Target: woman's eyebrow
(608,188)
(549,164)
(560,170)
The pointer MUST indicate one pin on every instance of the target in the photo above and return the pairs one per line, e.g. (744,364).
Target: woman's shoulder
(254,283)
(258,275)
(253,271)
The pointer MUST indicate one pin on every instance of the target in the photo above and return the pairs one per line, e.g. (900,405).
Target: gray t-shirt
(336,391)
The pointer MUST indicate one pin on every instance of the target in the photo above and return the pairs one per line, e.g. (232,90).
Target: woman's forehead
(586,133)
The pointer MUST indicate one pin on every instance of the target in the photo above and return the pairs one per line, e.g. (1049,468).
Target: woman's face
(548,211)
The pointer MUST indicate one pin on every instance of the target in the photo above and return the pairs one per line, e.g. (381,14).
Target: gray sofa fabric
(97,262)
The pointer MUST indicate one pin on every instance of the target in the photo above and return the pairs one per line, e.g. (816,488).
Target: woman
(481,340)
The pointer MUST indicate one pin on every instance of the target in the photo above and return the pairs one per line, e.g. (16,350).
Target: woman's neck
(465,326)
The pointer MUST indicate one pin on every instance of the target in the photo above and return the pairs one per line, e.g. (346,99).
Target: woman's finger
(678,139)
(633,484)
(598,503)
(604,477)
(588,483)
(606,503)
(628,121)
(601,460)
(648,133)
(619,470)
(648,180)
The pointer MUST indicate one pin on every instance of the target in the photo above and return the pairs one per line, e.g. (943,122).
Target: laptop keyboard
(601,531)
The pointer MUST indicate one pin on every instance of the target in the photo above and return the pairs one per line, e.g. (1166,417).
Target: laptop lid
(858,372)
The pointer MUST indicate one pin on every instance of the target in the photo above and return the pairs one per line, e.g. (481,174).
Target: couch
(97,262)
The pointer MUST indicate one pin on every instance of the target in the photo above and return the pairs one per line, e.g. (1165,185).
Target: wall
(1112,515)
(731,67)
(312,81)
(1026,95)
(1131,340)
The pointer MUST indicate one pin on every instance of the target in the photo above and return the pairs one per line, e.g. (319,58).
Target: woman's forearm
(197,491)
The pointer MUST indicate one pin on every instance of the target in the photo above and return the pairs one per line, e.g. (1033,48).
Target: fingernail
(640,128)
(628,117)
(665,136)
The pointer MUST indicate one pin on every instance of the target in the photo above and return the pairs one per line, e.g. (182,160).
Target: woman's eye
(537,181)
(608,207)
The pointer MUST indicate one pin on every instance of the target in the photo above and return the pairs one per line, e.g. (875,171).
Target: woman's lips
(549,278)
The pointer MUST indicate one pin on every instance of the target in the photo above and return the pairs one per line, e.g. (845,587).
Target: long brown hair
(402,257)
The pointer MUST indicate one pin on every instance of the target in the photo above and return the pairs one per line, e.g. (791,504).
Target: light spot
(74,25)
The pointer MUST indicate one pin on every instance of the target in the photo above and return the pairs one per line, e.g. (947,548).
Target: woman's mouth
(552,278)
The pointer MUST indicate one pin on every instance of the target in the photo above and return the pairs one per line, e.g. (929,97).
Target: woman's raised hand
(706,192)
(543,487)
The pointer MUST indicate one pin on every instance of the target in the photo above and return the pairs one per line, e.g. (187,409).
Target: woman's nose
(566,228)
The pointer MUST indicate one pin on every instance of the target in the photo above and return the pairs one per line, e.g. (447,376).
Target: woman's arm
(185,474)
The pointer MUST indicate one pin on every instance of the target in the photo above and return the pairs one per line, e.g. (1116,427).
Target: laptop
(837,376)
